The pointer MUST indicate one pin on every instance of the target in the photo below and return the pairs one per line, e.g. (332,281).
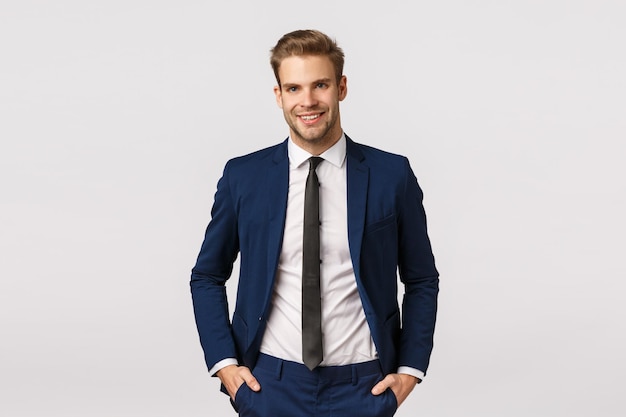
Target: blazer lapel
(357,183)
(277,187)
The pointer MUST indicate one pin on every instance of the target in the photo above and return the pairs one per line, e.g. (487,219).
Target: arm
(416,266)
(213,267)
(420,277)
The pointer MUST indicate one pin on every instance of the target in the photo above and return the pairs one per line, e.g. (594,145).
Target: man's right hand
(233,376)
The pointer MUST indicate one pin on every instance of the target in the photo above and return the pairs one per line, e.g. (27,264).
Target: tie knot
(314,161)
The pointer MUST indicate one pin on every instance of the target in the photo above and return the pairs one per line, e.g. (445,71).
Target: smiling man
(323,227)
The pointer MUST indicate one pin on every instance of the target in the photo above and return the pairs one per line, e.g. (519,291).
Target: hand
(400,384)
(233,376)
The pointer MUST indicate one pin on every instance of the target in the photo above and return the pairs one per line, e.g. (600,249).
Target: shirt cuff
(222,364)
(412,371)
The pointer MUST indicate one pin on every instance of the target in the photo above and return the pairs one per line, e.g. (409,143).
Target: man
(316,330)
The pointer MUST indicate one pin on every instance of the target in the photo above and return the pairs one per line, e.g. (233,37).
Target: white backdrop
(116,118)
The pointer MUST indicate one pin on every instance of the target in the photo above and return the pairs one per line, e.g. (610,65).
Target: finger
(382,385)
(229,376)
(250,380)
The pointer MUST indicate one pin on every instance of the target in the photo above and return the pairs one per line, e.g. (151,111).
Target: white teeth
(313,117)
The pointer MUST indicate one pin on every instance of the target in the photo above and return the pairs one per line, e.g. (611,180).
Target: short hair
(307,42)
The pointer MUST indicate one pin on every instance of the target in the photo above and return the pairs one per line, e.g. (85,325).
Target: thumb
(250,380)
(382,385)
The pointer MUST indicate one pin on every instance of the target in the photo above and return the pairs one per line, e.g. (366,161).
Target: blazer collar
(353,150)
(280,154)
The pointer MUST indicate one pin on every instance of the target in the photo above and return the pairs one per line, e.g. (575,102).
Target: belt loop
(279,369)
(355,377)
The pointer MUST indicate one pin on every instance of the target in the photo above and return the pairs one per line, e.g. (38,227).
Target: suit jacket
(387,237)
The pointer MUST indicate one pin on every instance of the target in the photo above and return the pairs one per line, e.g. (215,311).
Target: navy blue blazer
(387,238)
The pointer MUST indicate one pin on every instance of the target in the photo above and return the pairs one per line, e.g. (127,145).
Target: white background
(116,118)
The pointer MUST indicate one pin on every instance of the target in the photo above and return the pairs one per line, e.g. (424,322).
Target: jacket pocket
(380,224)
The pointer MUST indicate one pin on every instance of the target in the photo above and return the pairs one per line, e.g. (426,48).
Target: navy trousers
(290,389)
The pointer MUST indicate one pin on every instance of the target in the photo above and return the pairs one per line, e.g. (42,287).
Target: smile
(308,118)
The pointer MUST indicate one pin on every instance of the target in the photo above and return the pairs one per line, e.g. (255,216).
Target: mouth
(310,119)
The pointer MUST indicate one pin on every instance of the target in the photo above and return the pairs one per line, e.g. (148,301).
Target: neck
(318,146)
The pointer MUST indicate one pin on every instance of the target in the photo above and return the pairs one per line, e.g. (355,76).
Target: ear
(279,96)
(342,87)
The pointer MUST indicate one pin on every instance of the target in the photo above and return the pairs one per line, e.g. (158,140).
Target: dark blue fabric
(290,389)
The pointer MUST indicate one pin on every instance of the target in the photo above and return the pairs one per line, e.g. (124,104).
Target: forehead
(305,69)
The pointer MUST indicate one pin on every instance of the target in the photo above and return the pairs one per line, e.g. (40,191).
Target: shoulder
(258,159)
(387,170)
(377,158)
(379,153)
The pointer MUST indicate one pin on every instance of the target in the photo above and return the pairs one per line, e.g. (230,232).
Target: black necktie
(311,301)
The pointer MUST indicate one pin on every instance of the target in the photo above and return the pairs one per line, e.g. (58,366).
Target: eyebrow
(321,80)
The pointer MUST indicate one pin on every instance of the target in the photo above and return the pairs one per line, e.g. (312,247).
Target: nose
(308,98)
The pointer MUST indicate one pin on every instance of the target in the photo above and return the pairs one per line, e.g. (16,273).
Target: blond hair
(306,42)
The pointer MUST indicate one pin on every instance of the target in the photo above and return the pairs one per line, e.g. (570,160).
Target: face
(309,96)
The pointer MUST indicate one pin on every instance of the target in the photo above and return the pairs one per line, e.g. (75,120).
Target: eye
(321,85)
(292,89)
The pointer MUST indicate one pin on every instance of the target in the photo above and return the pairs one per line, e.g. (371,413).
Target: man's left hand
(400,384)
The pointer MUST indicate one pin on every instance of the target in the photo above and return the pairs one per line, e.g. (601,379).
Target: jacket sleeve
(213,267)
(416,266)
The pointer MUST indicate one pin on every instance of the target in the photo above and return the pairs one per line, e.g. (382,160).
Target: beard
(322,132)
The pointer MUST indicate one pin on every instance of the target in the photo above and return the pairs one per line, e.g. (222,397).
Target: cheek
(285,104)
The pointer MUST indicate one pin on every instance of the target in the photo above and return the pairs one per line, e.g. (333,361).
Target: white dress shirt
(346,336)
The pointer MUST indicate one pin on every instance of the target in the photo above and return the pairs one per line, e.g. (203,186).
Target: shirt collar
(336,154)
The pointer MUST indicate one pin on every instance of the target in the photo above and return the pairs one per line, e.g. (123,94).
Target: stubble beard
(311,138)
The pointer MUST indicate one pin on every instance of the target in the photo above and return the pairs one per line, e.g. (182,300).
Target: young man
(317,330)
